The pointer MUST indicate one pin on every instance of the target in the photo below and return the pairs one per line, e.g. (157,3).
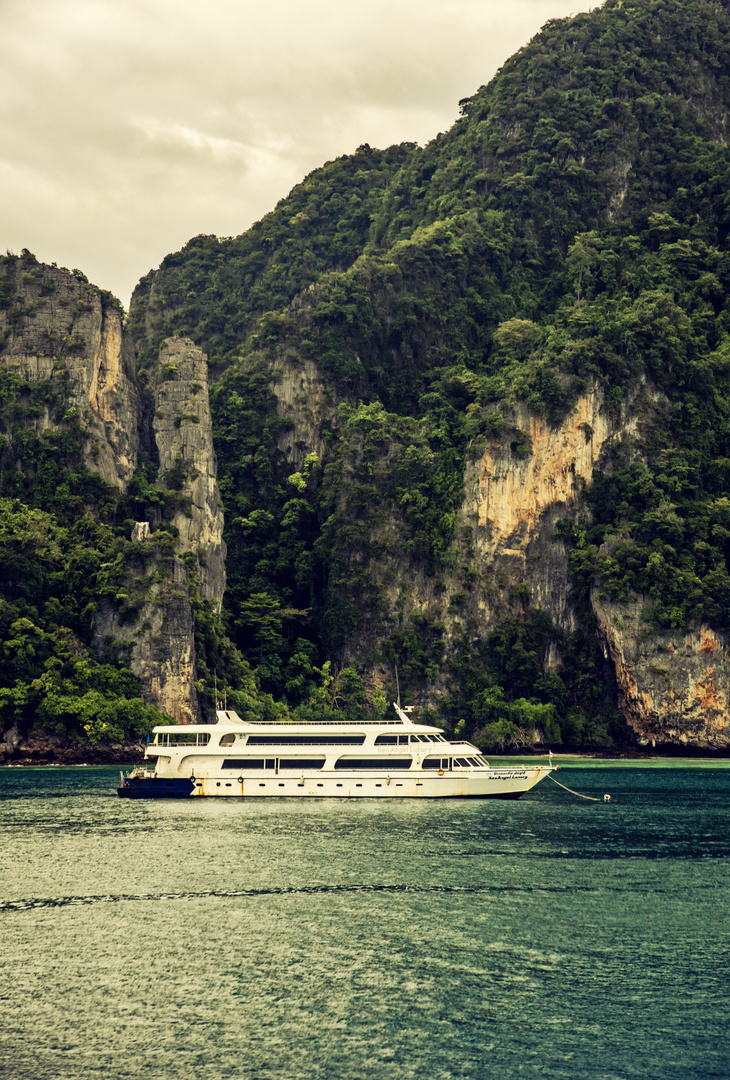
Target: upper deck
(230,729)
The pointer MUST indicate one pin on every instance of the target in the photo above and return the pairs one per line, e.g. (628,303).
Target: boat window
(183,738)
(374,763)
(435,763)
(386,740)
(227,740)
(249,763)
(473,761)
(462,761)
(306,740)
(301,763)
(419,738)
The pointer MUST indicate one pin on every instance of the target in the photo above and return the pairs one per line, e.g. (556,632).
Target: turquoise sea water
(551,937)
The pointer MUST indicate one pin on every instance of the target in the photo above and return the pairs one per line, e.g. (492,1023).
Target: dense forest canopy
(569,232)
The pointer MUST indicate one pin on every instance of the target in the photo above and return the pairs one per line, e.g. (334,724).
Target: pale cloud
(179,137)
(128,126)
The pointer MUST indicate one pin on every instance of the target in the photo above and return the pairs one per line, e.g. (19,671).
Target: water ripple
(33,903)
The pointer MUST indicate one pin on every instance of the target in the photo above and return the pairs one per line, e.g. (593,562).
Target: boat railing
(321,723)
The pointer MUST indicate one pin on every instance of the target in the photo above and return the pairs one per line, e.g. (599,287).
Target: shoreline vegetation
(132,753)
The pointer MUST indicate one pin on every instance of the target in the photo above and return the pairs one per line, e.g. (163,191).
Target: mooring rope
(592,799)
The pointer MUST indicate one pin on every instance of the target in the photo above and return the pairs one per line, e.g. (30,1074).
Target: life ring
(240,780)
(441,772)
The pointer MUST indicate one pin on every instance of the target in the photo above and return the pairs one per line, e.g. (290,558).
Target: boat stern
(146,784)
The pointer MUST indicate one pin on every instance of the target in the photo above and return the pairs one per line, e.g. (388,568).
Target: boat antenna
(215,685)
(397,686)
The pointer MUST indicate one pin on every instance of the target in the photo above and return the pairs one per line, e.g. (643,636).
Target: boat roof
(229,718)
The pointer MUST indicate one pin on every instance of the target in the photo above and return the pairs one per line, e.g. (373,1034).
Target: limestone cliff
(515,493)
(306,401)
(184,438)
(673,689)
(55,326)
(70,368)
(161,640)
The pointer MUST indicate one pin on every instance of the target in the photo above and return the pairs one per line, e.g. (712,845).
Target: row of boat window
(402,740)
(182,738)
(202,738)
(330,740)
(352,763)
(303,740)
(459,762)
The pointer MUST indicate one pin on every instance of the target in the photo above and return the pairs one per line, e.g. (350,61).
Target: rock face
(163,655)
(64,336)
(672,689)
(160,642)
(514,494)
(306,401)
(513,498)
(184,438)
(55,326)
(45,747)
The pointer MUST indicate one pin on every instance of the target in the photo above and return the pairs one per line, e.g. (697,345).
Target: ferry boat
(370,760)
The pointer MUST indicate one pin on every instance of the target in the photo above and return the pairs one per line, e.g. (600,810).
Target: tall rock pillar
(184,437)
(165,583)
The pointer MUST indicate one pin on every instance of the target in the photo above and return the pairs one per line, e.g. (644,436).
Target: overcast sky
(128,126)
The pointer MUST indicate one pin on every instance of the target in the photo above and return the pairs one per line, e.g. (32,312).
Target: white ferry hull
(507,783)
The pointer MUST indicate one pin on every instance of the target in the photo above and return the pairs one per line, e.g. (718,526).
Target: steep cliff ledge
(79,443)
(55,326)
(515,493)
(674,689)
(161,638)
(184,438)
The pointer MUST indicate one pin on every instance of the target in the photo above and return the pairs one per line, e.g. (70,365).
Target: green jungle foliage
(51,577)
(65,547)
(222,287)
(570,231)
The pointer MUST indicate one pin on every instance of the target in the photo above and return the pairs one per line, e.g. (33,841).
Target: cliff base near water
(44,748)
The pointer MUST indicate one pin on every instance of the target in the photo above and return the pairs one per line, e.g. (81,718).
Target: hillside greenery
(569,232)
